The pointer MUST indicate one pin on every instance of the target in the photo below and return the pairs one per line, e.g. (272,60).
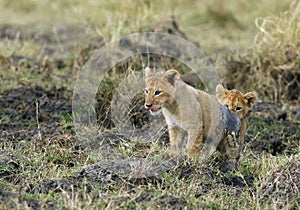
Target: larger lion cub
(209,126)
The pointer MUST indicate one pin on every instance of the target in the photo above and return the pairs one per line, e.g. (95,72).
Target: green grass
(217,27)
(114,18)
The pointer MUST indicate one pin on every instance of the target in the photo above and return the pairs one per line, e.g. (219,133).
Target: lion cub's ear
(172,76)
(148,72)
(220,91)
(251,98)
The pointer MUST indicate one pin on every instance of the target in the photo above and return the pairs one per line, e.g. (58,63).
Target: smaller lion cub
(238,102)
(208,125)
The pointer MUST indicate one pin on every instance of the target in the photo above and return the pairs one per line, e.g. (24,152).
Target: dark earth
(22,107)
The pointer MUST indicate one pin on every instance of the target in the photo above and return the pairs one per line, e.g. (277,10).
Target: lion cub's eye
(146,91)
(226,105)
(238,108)
(157,92)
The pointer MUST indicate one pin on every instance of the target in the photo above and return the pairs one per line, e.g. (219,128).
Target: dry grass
(271,68)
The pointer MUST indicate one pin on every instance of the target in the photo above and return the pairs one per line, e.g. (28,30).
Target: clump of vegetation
(272,68)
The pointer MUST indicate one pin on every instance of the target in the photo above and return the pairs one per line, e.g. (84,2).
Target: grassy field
(45,43)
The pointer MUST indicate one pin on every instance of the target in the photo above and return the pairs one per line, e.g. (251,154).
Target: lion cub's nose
(148,106)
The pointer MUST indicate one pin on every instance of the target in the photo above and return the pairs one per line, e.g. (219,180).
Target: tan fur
(208,125)
(238,102)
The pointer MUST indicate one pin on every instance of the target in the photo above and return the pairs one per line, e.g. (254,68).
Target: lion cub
(238,102)
(208,125)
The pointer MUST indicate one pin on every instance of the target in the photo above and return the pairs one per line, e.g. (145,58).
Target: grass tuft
(272,66)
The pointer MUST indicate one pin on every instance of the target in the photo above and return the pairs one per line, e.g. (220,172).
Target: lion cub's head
(236,101)
(159,89)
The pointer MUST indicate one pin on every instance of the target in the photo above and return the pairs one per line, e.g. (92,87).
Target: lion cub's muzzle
(149,106)
(153,110)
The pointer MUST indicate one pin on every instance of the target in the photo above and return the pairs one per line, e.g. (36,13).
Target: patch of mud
(19,124)
(51,185)
(170,202)
(11,166)
(210,178)
(10,199)
(164,201)
(273,129)
(24,104)
(283,186)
